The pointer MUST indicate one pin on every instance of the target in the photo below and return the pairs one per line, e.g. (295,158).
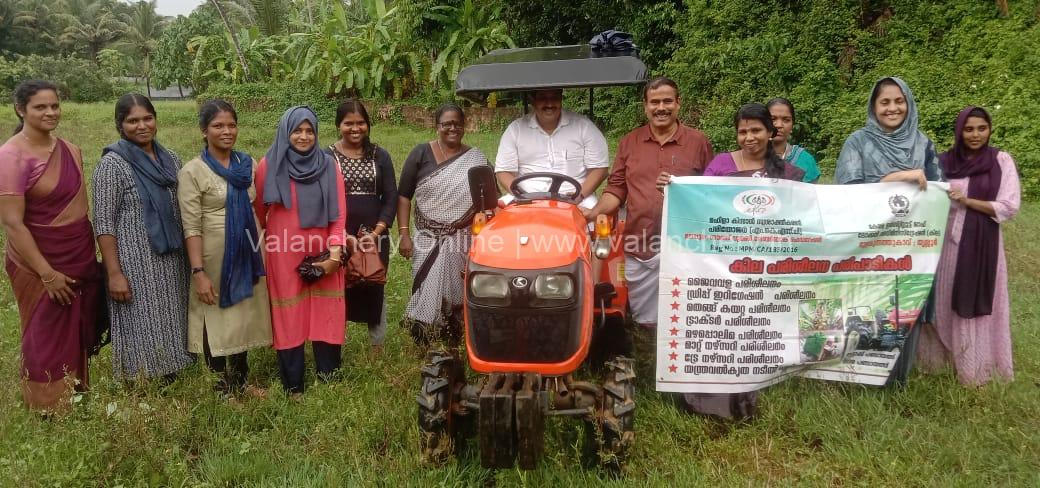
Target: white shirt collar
(565,120)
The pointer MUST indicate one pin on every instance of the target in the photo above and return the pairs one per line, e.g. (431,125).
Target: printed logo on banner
(900,205)
(756,203)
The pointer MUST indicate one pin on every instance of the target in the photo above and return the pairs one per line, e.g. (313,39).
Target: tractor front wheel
(436,422)
(615,420)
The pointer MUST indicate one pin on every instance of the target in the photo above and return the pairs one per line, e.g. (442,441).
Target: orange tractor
(534,313)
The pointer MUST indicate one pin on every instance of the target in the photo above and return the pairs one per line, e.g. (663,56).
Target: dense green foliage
(370,48)
(272,97)
(79,80)
(173,62)
(824,55)
(97,40)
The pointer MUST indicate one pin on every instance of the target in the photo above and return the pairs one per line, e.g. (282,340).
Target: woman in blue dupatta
(435,178)
(891,148)
(229,311)
(138,227)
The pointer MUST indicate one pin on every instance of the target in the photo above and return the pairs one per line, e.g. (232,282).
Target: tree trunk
(234,38)
(180,90)
(148,75)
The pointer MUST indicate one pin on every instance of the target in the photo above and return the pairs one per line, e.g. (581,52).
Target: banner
(762,279)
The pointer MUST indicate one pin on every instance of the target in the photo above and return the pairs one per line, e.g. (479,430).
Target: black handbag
(309,271)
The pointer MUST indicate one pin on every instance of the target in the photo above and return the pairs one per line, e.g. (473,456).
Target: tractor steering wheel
(557,180)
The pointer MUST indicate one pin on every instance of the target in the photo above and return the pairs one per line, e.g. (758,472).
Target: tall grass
(360,429)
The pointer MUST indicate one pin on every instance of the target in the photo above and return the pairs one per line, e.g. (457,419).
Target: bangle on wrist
(196,270)
(54,276)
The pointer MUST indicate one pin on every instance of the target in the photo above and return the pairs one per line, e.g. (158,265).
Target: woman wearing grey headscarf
(300,202)
(891,148)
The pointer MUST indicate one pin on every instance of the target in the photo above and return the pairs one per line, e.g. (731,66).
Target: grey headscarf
(870,153)
(313,171)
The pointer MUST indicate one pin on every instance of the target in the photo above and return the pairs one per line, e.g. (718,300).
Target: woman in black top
(371,191)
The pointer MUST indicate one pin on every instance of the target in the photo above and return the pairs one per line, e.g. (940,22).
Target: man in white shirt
(553,140)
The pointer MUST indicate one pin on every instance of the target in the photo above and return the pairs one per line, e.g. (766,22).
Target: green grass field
(361,429)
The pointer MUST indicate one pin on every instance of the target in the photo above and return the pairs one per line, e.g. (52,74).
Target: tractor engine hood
(537,235)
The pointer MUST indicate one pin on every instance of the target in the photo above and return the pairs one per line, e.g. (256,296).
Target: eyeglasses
(450,125)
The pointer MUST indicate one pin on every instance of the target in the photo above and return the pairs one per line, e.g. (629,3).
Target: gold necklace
(52,139)
(743,164)
(445,153)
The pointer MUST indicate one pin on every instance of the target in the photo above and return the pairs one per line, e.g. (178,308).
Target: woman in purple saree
(50,255)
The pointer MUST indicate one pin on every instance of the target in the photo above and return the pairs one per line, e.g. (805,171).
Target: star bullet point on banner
(672,368)
(675,319)
(673,344)
(674,331)
(675,293)
(675,305)
(672,356)
(675,281)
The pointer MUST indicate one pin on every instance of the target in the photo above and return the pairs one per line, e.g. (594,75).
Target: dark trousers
(234,368)
(291,364)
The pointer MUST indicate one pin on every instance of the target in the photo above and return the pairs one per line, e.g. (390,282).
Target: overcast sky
(174,8)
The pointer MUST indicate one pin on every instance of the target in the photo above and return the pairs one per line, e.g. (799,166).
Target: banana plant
(363,56)
(215,60)
(469,31)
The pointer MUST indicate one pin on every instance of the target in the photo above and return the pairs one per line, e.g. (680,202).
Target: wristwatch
(195,271)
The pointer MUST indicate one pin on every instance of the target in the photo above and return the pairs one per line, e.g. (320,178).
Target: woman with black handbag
(371,194)
(300,202)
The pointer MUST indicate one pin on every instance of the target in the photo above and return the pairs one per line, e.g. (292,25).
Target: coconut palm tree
(38,23)
(92,26)
(270,16)
(234,38)
(144,27)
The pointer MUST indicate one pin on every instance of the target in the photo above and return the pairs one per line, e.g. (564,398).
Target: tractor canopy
(533,68)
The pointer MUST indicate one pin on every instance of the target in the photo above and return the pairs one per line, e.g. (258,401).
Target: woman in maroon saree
(50,255)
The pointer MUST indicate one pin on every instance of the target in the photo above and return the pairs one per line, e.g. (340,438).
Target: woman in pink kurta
(973,325)
(300,203)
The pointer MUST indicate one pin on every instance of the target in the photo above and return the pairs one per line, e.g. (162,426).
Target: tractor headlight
(553,287)
(487,285)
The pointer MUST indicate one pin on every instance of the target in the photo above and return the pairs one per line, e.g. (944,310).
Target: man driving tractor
(553,140)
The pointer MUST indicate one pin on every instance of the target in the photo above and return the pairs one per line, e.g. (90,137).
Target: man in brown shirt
(646,159)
